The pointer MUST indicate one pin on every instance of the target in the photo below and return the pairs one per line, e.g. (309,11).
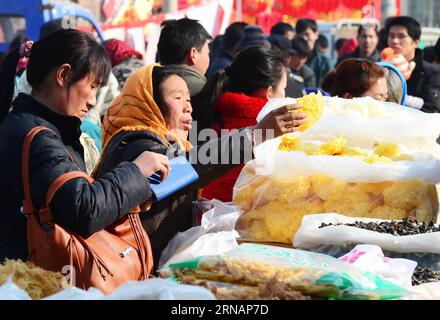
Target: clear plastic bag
(278,188)
(215,235)
(159,289)
(312,274)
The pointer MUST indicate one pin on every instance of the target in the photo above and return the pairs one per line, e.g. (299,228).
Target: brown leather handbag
(105,260)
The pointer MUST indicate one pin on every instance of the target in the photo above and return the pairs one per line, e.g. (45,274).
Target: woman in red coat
(233,97)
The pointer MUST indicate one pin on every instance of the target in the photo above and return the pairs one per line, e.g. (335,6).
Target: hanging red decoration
(322,5)
(294,8)
(253,7)
(355,4)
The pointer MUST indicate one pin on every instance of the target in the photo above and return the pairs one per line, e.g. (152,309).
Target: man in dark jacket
(299,54)
(227,51)
(403,34)
(368,38)
(295,85)
(320,64)
(183,46)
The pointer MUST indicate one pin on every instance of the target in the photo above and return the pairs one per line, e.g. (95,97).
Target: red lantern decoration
(294,8)
(323,5)
(355,4)
(253,7)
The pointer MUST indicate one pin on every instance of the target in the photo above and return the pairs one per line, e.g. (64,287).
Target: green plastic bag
(317,275)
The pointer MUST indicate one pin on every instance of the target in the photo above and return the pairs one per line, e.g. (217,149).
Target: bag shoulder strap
(28,206)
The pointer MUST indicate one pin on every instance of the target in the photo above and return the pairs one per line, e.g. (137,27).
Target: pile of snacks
(382,153)
(37,282)
(285,272)
(313,106)
(283,203)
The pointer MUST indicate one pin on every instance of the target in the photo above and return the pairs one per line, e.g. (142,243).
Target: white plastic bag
(365,122)
(310,236)
(371,258)
(207,244)
(75,293)
(215,235)
(273,104)
(425,291)
(269,161)
(10,291)
(159,289)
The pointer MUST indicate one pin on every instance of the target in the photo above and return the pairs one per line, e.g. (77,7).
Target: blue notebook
(181,174)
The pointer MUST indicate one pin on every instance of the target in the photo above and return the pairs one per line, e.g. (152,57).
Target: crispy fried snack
(276,214)
(273,289)
(37,282)
(258,274)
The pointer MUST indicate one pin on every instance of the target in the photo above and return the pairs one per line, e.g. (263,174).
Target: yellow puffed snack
(313,106)
(278,212)
(388,213)
(405,195)
(333,147)
(374,158)
(392,151)
(384,153)
(289,142)
(327,188)
(249,194)
(281,221)
(308,148)
(355,152)
(389,150)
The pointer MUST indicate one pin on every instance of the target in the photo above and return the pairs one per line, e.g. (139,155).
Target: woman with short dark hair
(357,78)
(64,70)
